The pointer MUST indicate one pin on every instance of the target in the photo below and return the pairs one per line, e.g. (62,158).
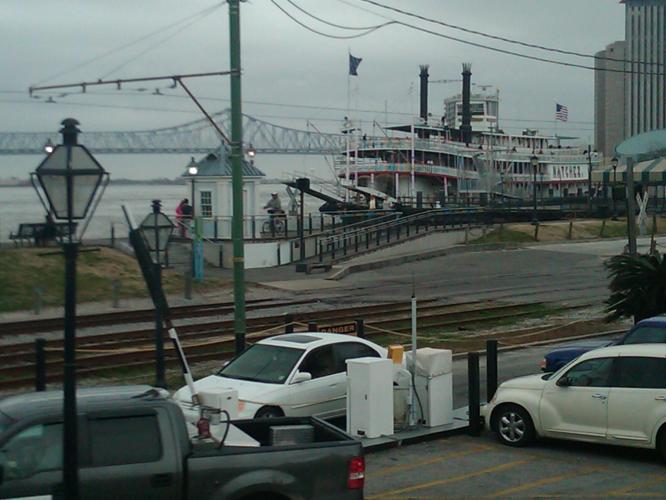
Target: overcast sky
(284,64)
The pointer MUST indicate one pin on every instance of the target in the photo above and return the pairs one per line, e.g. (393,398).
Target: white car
(297,374)
(614,395)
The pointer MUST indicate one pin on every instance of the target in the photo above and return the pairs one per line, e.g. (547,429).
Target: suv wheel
(513,426)
(661,442)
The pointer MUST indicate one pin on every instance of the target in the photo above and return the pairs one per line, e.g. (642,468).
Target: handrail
(397,222)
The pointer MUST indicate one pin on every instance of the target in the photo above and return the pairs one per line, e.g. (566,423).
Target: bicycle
(275,225)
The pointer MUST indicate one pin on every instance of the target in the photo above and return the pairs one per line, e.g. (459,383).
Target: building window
(206,203)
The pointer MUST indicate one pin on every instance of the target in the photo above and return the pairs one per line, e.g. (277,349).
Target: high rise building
(645,33)
(630,98)
(609,98)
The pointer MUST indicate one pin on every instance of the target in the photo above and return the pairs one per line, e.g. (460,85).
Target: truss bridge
(196,137)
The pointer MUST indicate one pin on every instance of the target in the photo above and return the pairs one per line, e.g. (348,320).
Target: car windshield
(5,422)
(647,335)
(263,363)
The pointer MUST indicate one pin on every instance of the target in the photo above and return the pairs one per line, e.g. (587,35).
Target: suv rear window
(642,373)
(646,335)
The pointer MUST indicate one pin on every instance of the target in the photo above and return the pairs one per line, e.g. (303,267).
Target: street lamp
(192,170)
(534,160)
(614,163)
(157,229)
(68,180)
(251,152)
(48,146)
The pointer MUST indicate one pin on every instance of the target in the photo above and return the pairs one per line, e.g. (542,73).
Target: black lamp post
(69,178)
(192,170)
(157,229)
(302,184)
(534,160)
(614,163)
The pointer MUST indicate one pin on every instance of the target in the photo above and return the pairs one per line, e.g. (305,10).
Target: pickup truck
(647,331)
(134,443)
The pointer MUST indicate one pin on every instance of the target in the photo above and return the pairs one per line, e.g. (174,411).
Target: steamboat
(464,157)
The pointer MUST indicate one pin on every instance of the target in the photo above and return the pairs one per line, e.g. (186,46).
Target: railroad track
(215,341)
(138,316)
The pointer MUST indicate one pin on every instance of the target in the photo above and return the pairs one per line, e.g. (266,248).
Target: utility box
(370,397)
(434,385)
(218,399)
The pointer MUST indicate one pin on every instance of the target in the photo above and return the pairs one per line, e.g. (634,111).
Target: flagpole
(347,121)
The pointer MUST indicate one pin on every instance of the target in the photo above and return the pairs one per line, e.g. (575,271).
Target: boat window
(269,364)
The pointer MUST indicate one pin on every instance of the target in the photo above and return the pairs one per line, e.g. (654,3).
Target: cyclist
(274,208)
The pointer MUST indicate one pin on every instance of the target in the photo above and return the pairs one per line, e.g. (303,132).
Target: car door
(637,399)
(31,460)
(575,405)
(318,396)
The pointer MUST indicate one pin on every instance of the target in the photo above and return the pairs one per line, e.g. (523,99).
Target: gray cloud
(284,63)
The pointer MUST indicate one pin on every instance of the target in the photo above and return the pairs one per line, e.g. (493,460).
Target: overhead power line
(360,28)
(505,51)
(203,12)
(321,33)
(503,39)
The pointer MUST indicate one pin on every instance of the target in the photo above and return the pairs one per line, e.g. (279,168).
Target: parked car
(135,443)
(648,331)
(297,374)
(614,395)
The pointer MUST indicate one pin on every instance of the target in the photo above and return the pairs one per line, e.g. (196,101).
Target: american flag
(561,113)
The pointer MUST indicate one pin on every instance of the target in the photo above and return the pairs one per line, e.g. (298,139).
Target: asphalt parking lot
(467,467)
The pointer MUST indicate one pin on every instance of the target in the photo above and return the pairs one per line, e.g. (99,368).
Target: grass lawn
(561,230)
(22,270)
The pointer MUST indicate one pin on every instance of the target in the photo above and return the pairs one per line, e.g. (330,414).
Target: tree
(638,286)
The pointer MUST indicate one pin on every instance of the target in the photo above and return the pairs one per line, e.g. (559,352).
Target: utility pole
(631,208)
(237,174)
(589,180)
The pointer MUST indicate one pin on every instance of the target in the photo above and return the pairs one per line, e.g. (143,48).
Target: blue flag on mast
(353,64)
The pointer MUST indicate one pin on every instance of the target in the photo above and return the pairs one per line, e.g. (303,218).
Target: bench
(34,232)
(325,266)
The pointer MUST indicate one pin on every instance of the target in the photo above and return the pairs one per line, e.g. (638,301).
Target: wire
(501,38)
(339,37)
(510,52)
(160,41)
(129,44)
(338,25)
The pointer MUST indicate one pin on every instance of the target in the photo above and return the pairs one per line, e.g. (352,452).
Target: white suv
(615,395)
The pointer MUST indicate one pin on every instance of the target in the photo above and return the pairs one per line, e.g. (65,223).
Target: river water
(21,204)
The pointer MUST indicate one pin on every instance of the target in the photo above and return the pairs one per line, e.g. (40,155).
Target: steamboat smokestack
(424,92)
(466,127)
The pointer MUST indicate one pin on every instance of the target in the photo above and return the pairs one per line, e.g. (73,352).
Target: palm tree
(638,286)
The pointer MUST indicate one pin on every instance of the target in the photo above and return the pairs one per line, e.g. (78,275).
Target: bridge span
(196,137)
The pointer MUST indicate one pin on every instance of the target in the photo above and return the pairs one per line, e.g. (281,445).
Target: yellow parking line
(439,458)
(631,487)
(453,479)
(540,482)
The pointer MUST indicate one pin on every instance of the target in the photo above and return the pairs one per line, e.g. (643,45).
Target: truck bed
(316,469)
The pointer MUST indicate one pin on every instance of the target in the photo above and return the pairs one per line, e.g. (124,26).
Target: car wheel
(269,412)
(661,442)
(513,426)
